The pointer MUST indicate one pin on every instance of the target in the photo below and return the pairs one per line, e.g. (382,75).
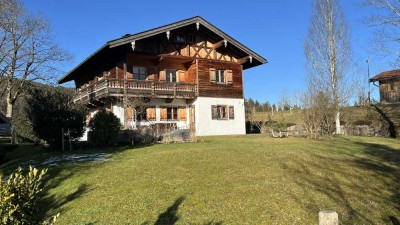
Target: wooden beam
(244,59)
(220,43)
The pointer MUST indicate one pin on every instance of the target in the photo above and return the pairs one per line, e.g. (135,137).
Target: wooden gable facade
(186,59)
(389,86)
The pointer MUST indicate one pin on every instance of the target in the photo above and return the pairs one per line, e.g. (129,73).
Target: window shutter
(163,114)
(150,73)
(224,112)
(163,75)
(182,113)
(231,112)
(151,114)
(128,114)
(228,75)
(214,112)
(212,75)
(129,72)
(181,75)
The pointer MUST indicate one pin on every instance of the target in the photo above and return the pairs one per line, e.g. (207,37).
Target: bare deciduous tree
(317,114)
(328,52)
(386,19)
(137,106)
(27,51)
(261,120)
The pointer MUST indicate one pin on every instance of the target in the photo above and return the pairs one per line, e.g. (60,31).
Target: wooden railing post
(153,88)
(174,89)
(107,84)
(328,218)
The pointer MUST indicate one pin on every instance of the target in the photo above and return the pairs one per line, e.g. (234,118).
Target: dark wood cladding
(191,73)
(389,90)
(210,89)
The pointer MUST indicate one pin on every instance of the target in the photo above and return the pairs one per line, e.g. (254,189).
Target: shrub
(50,110)
(104,128)
(19,198)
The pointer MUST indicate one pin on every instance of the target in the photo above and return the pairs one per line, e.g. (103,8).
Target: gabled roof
(386,75)
(127,39)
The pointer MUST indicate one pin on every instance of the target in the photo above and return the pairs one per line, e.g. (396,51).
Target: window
(171,75)
(136,73)
(220,76)
(168,113)
(222,112)
(180,38)
(391,87)
(192,39)
(140,113)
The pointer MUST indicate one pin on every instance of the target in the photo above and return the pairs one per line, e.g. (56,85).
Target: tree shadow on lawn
(170,216)
(344,182)
(51,203)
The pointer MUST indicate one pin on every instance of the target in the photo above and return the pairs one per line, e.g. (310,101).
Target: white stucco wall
(206,126)
(119,111)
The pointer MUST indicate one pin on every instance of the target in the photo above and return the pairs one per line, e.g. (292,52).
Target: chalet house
(389,86)
(188,74)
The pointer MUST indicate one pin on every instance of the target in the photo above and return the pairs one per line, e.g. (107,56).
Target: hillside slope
(386,115)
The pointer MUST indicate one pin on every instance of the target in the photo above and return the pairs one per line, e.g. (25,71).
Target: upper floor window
(171,75)
(136,73)
(192,39)
(180,38)
(220,76)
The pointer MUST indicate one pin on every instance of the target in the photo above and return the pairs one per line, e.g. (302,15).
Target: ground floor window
(172,113)
(140,113)
(222,112)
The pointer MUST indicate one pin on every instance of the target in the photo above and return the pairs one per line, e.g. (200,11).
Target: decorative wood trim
(243,60)
(220,43)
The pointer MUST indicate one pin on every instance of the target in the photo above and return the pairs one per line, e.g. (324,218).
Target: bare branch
(27,50)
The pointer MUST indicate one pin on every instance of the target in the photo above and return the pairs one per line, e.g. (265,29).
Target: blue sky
(276,29)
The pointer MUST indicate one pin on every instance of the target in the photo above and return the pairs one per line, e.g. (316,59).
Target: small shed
(389,86)
(5,126)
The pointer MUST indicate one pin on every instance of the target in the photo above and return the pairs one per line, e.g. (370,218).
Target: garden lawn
(251,179)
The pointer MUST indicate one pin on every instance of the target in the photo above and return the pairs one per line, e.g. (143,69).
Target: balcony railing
(134,88)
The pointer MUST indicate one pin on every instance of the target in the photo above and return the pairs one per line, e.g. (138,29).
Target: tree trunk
(9,109)
(10,105)
(9,113)
(337,122)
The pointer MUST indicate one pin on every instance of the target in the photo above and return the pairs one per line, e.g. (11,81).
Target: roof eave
(66,77)
(183,23)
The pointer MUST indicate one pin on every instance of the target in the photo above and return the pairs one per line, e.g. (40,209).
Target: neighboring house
(188,73)
(5,126)
(389,86)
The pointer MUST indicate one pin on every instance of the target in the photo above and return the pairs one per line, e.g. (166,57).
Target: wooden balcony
(113,87)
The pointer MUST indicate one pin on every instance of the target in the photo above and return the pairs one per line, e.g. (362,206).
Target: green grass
(251,179)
